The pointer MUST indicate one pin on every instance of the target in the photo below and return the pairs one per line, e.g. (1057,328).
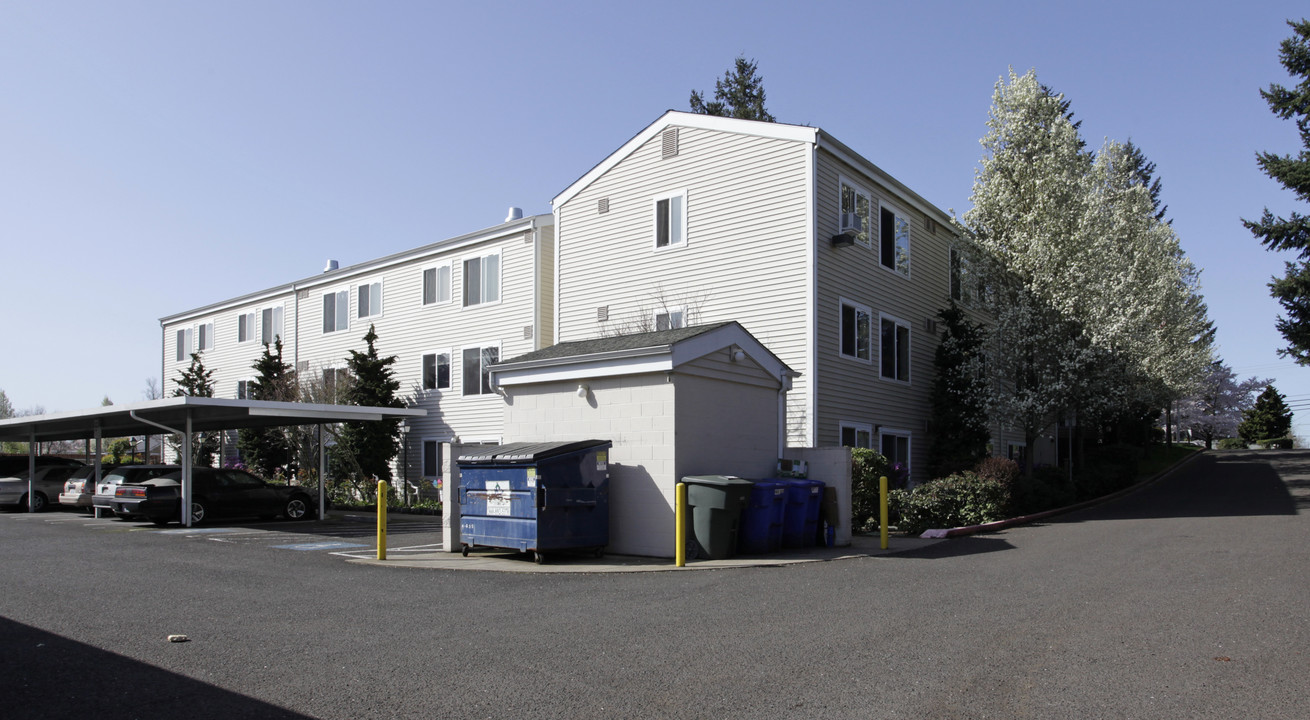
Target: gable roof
(663,350)
(778,131)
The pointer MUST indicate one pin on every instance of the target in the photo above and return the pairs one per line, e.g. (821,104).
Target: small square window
(671,319)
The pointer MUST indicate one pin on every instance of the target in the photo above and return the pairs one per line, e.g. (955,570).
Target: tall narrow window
(856,341)
(336,311)
(895,349)
(370,300)
(245,327)
(895,241)
(671,220)
(895,446)
(436,285)
(431,459)
(184,348)
(482,279)
(270,325)
(206,336)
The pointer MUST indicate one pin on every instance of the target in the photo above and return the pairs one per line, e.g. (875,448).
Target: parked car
(11,465)
(47,483)
(80,489)
(214,492)
(104,495)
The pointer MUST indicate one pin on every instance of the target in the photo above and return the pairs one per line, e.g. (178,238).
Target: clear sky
(160,156)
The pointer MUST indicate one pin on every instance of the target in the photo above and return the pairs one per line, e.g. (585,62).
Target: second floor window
(856,212)
(895,350)
(206,336)
(370,300)
(671,221)
(336,311)
(270,325)
(246,327)
(855,331)
(482,279)
(895,239)
(436,285)
(436,371)
(477,369)
(184,347)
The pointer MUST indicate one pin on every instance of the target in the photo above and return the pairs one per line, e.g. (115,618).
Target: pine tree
(740,94)
(369,447)
(267,449)
(1291,233)
(197,381)
(959,397)
(1270,418)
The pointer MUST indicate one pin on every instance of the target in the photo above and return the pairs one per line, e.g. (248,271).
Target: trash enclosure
(536,497)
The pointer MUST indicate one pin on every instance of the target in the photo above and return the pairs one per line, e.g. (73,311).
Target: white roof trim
(777,131)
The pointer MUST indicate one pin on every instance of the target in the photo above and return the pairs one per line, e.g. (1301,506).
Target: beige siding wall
(545,316)
(636,414)
(746,253)
(853,390)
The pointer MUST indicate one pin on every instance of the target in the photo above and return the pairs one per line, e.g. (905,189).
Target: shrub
(1107,469)
(1048,487)
(953,501)
(1277,444)
(1232,444)
(866,467)
(1002,470)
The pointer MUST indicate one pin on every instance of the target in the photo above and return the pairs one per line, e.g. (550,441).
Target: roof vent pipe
(514,214)
(331,265)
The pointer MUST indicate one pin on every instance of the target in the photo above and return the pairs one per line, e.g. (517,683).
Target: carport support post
(185,510)
(96,510)
(31,469)
(322,474)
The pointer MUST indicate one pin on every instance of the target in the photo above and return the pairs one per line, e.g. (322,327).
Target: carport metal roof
(186,415)
(144,418)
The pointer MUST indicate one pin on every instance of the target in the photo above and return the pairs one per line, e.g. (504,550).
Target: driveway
(1186,599)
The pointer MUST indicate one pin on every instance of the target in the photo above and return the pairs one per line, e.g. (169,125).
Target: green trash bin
(715,503)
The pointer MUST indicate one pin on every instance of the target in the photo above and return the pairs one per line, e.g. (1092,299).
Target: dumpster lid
(526,452)
(723,480)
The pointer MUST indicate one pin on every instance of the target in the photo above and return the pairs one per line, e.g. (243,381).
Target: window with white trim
(856,340)
(436,285)
(431,458)
(370,300)
(856,211)
(246,327)
(270,324)
(895,240)
(477,362)
(205,334)
(895,446)
(1017,451)
(856,435)
(244,389)
(895,349)
(482,279)
(336,381)
(336,311)
(436,371)
(671,220)
(184,346)
(670,319)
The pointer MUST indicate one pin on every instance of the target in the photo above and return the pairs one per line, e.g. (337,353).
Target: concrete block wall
(636,413)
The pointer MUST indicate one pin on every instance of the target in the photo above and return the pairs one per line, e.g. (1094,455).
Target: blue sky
(160,156)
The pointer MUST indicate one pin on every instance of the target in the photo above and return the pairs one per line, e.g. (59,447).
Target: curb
(1025,519)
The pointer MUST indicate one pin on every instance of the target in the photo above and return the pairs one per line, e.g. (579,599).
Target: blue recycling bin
(761,518)
(535,497)
(800,518)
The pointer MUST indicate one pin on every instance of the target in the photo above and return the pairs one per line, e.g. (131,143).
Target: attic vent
(527,238)
(603,313)
(527,332)
(603,205)
(304,294)
(670,148)
(930,225)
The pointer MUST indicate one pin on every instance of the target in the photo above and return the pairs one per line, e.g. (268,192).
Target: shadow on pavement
(956,547)
(49,676)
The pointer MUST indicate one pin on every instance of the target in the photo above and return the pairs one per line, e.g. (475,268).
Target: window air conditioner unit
(850,228)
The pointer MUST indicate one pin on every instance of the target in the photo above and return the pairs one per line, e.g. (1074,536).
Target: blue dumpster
(536,497)
(761,518)
(800,518)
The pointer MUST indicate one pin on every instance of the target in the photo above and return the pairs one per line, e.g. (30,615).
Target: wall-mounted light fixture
(583,389)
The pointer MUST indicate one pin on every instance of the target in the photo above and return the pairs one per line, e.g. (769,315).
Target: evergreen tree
(197,381)
(368,448)
(959,397)
(1291,233)
(266,450)
(1142,171)
(6,407)
(740,94)
(1269,419)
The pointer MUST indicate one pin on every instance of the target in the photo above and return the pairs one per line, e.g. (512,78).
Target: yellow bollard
(382,519)
(680,517)
(882,509)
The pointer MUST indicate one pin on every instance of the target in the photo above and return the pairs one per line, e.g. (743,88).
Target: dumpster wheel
(465,550)
(538,557)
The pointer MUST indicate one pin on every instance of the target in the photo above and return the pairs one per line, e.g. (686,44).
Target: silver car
(109,482)
(80,487)
(46,485)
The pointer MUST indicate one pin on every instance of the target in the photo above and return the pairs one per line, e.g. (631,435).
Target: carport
(184,416)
